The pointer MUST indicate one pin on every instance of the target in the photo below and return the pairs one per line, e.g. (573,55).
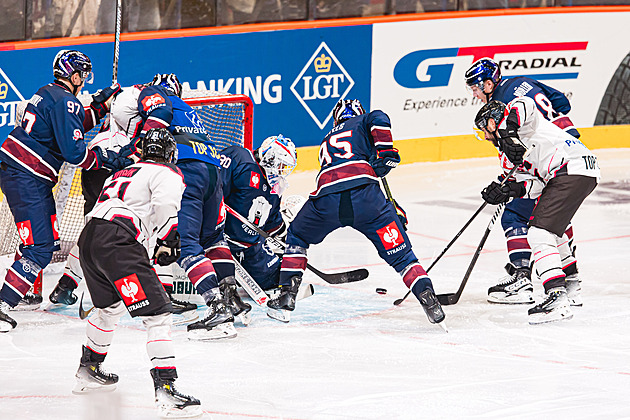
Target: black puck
(381,291)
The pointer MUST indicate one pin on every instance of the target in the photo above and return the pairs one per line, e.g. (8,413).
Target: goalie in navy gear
(49,134)
(137,202)
(202,216)
(486,83)
(560,172)
(353,155)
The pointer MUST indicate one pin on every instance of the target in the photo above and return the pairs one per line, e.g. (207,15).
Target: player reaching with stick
(353,155)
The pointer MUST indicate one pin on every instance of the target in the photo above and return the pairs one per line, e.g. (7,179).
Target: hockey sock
(415,278)
(566,255)
(159,344)
(546,257)
(200,271)
(73,268)
(101,326)
(518,248)
(293,264)
(221,257)
(18,280)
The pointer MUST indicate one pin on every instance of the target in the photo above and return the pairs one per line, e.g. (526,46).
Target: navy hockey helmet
(482,70)
(68,62)
(346,109)
(159,145)
(169,82)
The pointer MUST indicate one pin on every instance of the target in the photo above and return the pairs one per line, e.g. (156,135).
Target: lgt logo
(10,97)
(320,84)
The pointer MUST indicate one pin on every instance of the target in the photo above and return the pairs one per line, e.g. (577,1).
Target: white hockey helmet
(277,156)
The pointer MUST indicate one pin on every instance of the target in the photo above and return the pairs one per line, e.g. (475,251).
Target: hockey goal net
(228,119)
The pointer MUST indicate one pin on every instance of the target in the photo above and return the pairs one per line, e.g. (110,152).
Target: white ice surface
(348,353)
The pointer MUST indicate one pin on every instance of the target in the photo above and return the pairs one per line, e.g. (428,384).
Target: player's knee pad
(41,255)
(537,238)
(106,318)
(158,326)
(546,256)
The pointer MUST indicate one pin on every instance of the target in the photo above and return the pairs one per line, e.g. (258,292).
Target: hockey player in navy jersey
(137,204)
(253,184)
(50,134)
(560,171)
(202,216)
(353,155)
(484,79)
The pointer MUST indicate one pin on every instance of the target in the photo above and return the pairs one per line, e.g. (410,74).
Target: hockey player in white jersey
(137,202)
(558,170)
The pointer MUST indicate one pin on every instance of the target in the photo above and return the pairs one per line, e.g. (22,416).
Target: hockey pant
(201,220)
(33,207)
(365,209)
(102,324)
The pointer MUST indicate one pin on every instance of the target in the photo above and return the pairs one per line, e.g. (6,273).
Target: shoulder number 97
(335,142)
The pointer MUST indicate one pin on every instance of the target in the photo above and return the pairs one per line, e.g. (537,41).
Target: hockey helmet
(492,110)
(277,156)
(346,109)
(159,145)
(482,70)
(68,62)
(169,82)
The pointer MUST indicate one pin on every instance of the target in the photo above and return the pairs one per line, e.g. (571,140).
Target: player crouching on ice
(558,170)
(353,155)
(114,255)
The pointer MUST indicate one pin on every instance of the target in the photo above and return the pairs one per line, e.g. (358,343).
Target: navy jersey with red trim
(246,190)
(51,133)
(552,103)
(158,108)
(346,151)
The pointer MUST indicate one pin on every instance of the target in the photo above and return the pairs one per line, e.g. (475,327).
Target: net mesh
(224,118)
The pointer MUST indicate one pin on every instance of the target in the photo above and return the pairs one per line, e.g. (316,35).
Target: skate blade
(281,315)
(82,388)
(244,318)
(185,318)
(225,330)
(24,308)
(560,315)
(443,326)
(576,301)
(511,300)
(166,412)
(5,327)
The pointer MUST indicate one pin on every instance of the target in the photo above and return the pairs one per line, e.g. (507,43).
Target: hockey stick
(117,41)
(83,314)
(453,298)
(479,210)
(332,278)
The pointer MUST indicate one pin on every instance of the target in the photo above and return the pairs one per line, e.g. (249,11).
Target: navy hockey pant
(201,221)
(33,207)
(363,208)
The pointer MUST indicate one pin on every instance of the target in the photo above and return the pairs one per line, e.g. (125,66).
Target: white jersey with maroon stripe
(144,198)
(125,110)
(553,151)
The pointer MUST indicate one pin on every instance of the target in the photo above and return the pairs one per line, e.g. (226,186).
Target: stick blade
(346,277)
(448,299)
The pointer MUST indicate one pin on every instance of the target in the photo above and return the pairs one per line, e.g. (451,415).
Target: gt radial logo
(320,84)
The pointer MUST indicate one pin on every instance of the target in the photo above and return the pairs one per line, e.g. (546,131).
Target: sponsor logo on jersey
(390,236)
(151,101)
(55,227)
(10,97)
(130,290)
(222,214)
(545,61)
(77,135)
(25,232)
(322,82)
(254,180)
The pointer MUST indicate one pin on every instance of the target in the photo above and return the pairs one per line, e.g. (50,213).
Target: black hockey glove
(496,193)
(402,215)
(385,161)
(102,99)
(167,250)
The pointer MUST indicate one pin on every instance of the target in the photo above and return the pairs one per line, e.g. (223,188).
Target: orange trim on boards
(277,26)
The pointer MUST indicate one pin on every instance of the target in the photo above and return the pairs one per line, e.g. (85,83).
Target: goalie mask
(492,110)
(169,82)
(277,156)
(346,109)
(159,145)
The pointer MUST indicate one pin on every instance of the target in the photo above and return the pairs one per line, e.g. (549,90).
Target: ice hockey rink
(348,353)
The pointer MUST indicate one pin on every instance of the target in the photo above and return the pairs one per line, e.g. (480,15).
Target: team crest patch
(390,236)
(151,101)
(25,232)
(254,180)
(130,290)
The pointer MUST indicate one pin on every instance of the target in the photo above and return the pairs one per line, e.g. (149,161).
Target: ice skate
(217,322)
(90,377)
(62,294)
(555,307)
(171,403)
(432,307)
(515,288)
(280,307)
(574,290)
(30,302)
(6,322)
(240,310)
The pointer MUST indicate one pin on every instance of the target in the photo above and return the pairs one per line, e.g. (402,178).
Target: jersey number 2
(336,143)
